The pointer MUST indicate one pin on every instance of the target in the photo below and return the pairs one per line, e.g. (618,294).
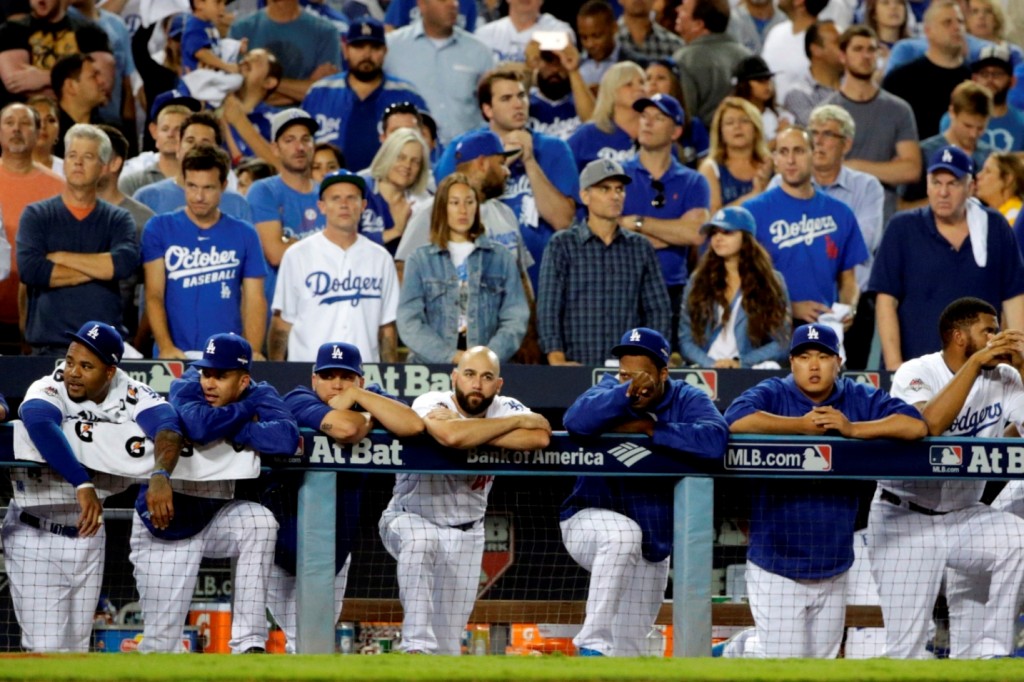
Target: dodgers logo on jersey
(778,457)
(351,288)
(946,458)
(972,422)
(804,231)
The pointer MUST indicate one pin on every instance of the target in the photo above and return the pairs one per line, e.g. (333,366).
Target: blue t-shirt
(730,187)
(695,142)
(271,199)
(204,269)
(376,216)
(166,196)
(803,530)
(590,142)
(918,267)
(1002,134)
(403,12)
(260,118)
(684,189)
(351,123)
(558,119)
(198,34)
(300,45)
(810,241)
(556,161)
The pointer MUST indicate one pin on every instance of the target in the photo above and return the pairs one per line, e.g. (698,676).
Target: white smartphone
(552,41)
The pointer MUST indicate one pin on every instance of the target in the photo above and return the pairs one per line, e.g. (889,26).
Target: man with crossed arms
(434,524)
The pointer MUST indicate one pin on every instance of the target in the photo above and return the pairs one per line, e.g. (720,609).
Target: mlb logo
(946,455)
(703,379)
(872,379)
(818,458)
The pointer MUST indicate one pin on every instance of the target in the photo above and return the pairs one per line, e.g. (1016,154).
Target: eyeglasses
(826,134)
(659,199)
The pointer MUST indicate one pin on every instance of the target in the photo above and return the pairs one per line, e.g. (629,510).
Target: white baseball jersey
(445,499)
(125,400)
(997,397)
(327,292)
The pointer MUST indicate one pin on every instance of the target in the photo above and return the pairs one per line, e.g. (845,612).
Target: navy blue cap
(339,356)
(342,175)
(226,351)
(179,95)
(644,341)
(952,159)
(365,30)
(819,336)
(479,143)
(101,339)
(666,104)
(731,219)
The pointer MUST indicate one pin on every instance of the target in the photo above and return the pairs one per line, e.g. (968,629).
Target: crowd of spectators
(163,161)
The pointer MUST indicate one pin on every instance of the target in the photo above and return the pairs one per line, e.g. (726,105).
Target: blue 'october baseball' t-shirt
(204,269)
(810,241)
(803,529)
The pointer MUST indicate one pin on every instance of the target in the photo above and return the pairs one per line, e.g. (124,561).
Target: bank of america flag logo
(629,453)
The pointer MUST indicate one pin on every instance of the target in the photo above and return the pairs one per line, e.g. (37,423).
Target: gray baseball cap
(600,170)
(283,120)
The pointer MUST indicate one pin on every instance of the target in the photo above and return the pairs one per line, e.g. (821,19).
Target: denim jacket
(428,307)
(749,354)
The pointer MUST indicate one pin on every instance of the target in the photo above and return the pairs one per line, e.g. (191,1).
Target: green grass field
(400,668)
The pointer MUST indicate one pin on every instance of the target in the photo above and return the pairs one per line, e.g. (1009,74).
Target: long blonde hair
(717,150)
(613,79)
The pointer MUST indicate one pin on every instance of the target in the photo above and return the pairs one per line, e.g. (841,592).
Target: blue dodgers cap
(952,159)
(819,336)
(339,356)
(342,175)
(644,341)
(666,104)
(365,30)
(176,27)
(226,351)
(179,95)
(479,143)
(731,219)
(101,339)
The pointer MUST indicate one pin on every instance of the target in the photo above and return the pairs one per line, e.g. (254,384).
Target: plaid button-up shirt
(591,292)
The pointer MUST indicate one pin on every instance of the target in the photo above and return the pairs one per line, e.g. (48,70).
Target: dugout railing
(612,455)
(550,390)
